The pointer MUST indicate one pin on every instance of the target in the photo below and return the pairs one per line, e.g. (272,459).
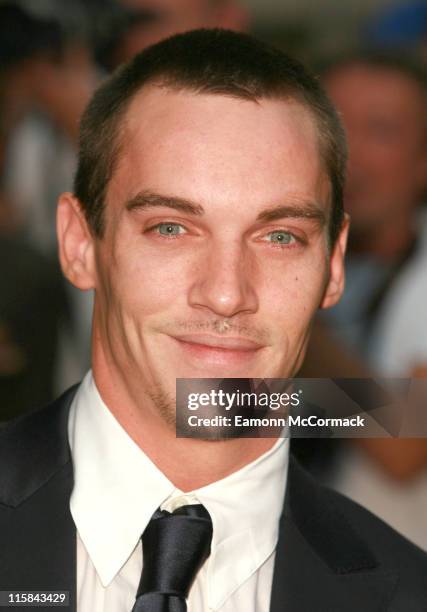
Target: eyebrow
(307,210)
(149,199)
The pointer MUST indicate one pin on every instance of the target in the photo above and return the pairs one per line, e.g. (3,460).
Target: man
(382,97)
(132,25)
(207,214)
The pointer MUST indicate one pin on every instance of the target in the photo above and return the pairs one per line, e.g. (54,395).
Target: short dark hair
(207,62)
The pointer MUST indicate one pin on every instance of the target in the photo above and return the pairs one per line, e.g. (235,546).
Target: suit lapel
(38,547)
(321,563)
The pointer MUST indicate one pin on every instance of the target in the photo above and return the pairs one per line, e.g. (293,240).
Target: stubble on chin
(165,404)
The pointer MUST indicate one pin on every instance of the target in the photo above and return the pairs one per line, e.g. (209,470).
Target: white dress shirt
(118,488)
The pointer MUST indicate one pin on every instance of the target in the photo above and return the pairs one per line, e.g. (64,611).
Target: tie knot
(197,511)
(175,546)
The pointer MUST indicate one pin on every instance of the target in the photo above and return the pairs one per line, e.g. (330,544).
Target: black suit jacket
(332,555)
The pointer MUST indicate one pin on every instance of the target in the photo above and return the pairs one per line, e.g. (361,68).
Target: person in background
(133,25)
(382,99)
(47,78)
(379,327)
(33,302)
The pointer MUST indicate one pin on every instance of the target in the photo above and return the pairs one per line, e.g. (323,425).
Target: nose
(225,281)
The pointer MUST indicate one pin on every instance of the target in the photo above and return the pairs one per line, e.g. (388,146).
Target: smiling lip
(219,343)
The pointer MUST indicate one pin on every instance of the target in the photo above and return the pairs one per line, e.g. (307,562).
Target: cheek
(148,284)
(293,295)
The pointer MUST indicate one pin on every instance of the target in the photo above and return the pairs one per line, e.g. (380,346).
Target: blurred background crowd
(371,56)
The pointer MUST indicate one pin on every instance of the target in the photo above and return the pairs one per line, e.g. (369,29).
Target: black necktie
(174,545)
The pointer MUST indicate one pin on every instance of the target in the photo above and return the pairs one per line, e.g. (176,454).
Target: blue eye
(281,237)
(169,229)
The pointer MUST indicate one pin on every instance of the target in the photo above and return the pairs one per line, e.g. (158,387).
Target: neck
(388,241)
(188,463)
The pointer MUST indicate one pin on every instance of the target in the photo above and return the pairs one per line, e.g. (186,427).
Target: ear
(76,243)
(335,287)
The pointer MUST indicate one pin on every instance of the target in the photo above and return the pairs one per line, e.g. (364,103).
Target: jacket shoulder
(351,540)
(392,551)
(33,448)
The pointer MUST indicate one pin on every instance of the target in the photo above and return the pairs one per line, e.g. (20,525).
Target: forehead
(361,88)
(211,146)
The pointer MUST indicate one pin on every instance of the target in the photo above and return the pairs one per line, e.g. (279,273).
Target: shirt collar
(245,508)
(117,489)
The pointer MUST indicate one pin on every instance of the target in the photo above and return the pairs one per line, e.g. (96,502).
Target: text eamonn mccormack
(290,421)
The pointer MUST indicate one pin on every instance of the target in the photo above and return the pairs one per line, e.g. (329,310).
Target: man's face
(385,119)
(215,255)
